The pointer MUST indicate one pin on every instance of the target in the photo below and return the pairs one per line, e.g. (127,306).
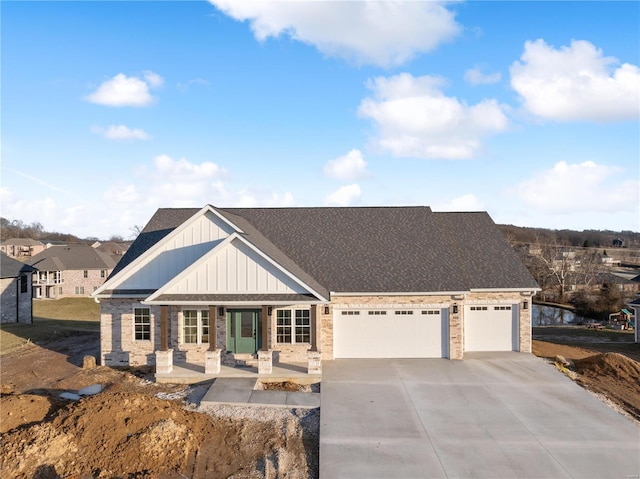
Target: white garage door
(393,333)
(490,328)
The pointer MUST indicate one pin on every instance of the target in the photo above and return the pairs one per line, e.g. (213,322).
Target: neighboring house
(21,247)
(396,282)
(113,248)
(15,284)
(70,270)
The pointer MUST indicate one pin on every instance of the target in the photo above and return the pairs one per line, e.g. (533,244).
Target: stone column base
(314,362)
(212,361)
(164,361)
(265,362)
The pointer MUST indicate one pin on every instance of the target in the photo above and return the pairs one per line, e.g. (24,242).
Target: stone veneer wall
(118,347)
(15,306)
(117,344)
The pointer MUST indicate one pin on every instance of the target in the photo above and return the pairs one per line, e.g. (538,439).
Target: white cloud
(348,167)
(468,202)
(475,76)
(153,79)
(121,132)
(196,81)
(579,188)
(345,196)
(122,90)
(366,32)
(415,119)
(575,83)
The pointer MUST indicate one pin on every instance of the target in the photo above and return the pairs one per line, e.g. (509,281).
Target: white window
(478,308)
(502,308)
(293,326)
(431,311)
(404,311)
(350,313)
(142,324)
(79,290)
(195,326)
(377,312)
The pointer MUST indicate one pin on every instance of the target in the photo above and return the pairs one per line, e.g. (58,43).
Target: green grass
(67,308)
(52,319)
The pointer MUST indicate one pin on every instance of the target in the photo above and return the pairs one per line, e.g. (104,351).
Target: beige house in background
(292,283)
(70,271)
(21,247)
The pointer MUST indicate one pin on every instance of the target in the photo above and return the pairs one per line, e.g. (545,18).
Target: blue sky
(527,110)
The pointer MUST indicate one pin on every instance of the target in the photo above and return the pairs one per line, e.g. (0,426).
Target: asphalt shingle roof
(72,257)
(369,249)
(11,268)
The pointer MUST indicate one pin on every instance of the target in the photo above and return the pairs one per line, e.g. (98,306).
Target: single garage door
(491,328)
(392,333)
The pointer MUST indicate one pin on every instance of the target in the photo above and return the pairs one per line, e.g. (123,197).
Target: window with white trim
(404,311)
(293,326)
(195,326)
(478,308)
(431,311)
(79,290)
(377,312)
(142,324)
(502,308)
(350,313)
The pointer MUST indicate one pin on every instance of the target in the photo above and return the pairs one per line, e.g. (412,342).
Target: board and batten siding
(186,247)
(235,269)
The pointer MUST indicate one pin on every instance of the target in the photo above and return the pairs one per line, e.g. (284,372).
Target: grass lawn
(52,319)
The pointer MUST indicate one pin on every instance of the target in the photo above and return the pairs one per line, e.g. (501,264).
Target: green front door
(243,330)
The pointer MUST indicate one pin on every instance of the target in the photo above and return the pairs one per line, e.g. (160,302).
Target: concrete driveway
(493,415)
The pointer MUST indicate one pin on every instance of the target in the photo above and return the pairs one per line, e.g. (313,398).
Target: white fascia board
(193,266)
(504,290)
(230,303)
(149,253)
(116,296)
(402,293)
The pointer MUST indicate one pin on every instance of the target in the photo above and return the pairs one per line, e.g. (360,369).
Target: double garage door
(421,333)
(391,333)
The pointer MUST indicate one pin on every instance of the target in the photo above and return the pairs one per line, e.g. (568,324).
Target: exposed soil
(611,375)
(136,428)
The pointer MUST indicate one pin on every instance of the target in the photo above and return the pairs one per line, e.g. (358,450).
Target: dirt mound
(614,375)
(128,434)
(18,410)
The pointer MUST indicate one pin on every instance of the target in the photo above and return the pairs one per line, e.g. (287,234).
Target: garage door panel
(390,335)
(491,328)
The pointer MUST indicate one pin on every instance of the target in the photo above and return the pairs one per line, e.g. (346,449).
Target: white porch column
(212,361)
(314,362)
(164,361)
(265,362)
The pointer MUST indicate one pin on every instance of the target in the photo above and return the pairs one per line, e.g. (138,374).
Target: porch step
(243,360)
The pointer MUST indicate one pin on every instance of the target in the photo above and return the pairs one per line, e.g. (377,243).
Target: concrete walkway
(493,415)
(239,391)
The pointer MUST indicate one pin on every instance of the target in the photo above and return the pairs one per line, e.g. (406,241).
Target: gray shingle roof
(11,268)
(364,249)
(72,257)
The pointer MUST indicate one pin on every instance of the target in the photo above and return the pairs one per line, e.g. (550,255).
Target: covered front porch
(199,342)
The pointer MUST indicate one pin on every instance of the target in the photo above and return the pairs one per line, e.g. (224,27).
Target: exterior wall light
(455,309)
(525,305)
(269,310)
(220,311)
(326,310)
